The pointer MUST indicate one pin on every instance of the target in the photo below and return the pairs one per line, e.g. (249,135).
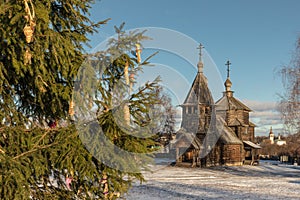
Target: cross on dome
(228,63)
(200,51)
(200,63)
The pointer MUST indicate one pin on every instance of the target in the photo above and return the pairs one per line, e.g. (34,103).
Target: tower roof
(271,131)
(199,92)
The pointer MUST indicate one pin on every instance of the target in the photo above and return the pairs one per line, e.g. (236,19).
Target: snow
(266,181)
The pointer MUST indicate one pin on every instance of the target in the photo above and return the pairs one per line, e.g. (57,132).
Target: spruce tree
(38,70)
(41,158)
(125,116)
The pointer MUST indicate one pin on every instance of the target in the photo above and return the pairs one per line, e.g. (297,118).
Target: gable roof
(231,103)
(186,139)
(236,122)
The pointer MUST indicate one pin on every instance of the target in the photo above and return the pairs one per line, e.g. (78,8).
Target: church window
(196,110)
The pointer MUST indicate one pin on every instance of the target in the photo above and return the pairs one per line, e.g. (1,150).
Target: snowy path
(246,182)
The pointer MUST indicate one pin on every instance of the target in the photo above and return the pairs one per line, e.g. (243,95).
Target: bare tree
(290,101)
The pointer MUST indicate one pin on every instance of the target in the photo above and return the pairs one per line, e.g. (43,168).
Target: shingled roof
(229,137)
(231,103)
(199,92)
(185,139)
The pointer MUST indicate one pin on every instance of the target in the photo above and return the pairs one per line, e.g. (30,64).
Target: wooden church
(214,133)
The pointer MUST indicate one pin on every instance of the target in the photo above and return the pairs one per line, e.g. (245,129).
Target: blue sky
(257,36)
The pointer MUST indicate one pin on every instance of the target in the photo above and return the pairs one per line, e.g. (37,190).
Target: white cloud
(265,115)
(261,105)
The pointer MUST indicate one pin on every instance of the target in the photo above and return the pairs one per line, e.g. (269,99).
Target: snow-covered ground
(266,181)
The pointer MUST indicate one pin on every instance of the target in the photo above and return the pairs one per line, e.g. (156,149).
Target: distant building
(277,141)
(271,136)
(214,133)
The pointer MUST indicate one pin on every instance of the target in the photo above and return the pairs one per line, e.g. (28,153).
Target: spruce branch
(34,150)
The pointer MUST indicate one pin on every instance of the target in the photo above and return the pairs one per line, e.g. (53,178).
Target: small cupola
(228,83)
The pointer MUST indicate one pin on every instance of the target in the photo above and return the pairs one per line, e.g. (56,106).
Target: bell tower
(197,107)
(271,136)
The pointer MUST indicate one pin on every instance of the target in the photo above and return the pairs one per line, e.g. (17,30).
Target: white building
(277,141)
